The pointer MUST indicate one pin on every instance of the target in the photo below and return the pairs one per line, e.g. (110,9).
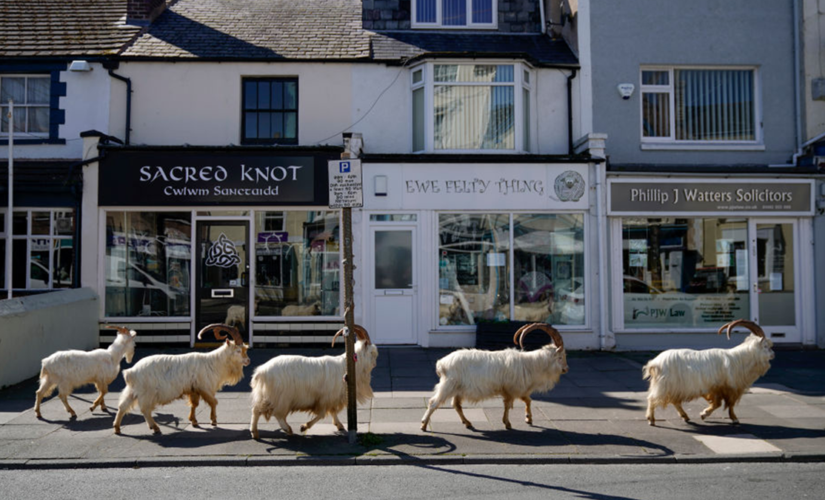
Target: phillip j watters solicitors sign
(711,196)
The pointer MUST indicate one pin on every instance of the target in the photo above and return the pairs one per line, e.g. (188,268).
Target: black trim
(271,141)
(710,169)
(477,158)
(57,89)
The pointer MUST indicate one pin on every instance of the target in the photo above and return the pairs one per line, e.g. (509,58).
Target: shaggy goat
(289,384)
(162,378)
(68,370)
(474,375)
(718,375)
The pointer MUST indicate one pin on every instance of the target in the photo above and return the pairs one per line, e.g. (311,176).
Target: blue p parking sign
(344,167)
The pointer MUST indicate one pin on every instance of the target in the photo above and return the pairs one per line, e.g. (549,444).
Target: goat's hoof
(735,422)
(703,416)
(73,416)
(304,429)
(686,419)
(255,436)
(214,423)
(117,431)
(155,430)
(92,408)
(38,415)
(651,423)
(528,421)
(424,426)
(195,424)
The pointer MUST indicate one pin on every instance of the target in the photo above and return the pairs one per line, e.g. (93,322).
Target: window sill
(433,27)
(701,147)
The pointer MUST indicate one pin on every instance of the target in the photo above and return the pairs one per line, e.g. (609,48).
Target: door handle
(223,293)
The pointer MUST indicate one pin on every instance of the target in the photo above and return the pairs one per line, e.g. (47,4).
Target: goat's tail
(650,372)
(128,398)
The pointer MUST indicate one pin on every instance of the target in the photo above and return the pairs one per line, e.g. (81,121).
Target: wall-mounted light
(80,66)
(380,185)
(626,90)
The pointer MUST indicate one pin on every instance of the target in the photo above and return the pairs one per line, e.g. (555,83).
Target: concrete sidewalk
(596,414)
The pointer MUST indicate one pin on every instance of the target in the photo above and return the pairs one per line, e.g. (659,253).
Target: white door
(393,284)
(774,275)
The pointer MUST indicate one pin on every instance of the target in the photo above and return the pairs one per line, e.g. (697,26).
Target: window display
(297,269)
(684,272)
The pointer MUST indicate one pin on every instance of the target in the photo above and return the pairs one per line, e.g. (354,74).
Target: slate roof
(304,30)
(256,29)
(42,28)
(537,48)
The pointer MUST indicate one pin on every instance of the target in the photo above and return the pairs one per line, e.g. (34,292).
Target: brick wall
(144,10)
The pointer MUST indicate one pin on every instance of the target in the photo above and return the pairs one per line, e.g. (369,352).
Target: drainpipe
(543,22)
(570,112)
(128,82)
(800,147)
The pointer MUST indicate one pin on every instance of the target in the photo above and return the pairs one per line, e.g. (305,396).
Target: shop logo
(223,253)
(569,186)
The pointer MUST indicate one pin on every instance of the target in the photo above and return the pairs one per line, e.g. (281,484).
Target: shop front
(691,254)
(187,237)
(451,246)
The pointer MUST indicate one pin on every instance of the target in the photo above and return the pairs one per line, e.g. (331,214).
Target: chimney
(143,12)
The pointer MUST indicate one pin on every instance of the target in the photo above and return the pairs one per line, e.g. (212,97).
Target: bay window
(471,107)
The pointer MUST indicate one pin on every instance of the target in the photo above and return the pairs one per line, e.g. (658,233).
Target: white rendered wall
(85,105)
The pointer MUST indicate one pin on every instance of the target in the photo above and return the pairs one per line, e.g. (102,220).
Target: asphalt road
(746,481)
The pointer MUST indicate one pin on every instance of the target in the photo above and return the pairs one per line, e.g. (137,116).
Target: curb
(432,460)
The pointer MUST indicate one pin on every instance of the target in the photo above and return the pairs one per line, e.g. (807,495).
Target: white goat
(162,378)
(718,375)
(289,384)
(68,370)
(236,316)
(313,309)
(474,375)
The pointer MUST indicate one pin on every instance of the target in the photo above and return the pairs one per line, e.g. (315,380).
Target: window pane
(418,119)
(655,114)
(290,95)
(264,125)
(525,96)
(425,11)
(39,264)
(714,105)
(19,119)
(297,270)
(63,263)
(263,95)
(473,268)
(277,95)
(548,268)
(474,117)
(41,223)
(250,95)
(38,120)
(684,273)
(148,263)
(393,260)
(251,126)
(277,125)
(655,78)
(37,90)
(290,126)
(13,88)
(474,73)
(482,11)
(454,12)
(417,76)
(18,264)
(4,119)
(775,274)
(20,223)
(3,267)
(64,223)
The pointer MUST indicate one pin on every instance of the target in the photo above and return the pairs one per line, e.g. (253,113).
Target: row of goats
(317,385)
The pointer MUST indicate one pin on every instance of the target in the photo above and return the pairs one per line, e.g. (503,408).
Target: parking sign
(345,185)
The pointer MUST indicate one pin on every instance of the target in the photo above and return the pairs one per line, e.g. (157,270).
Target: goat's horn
(518,333)
(120,329)
(728,327)
(219,330)
(335,337)
(750,325)
(360,332)
(549,330)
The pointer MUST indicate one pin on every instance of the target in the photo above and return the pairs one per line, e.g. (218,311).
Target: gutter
(570,112)
(128,82)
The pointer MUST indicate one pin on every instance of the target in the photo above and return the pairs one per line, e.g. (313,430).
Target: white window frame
(29,237)
(20,106)
(438,16)
(664,143)
(520,69)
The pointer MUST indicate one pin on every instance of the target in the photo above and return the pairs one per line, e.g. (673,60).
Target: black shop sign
(218,177)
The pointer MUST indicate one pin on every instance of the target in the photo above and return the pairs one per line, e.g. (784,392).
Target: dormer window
(454,13)
(460,108)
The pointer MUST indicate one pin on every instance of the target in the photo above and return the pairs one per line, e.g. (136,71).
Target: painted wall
(200,103)
(86,109)
(700,32)
(813,54)
(35,327)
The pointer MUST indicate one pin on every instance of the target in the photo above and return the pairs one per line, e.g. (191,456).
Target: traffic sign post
(346,192)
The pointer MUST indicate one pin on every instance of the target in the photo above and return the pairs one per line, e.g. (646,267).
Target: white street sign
(345,184)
